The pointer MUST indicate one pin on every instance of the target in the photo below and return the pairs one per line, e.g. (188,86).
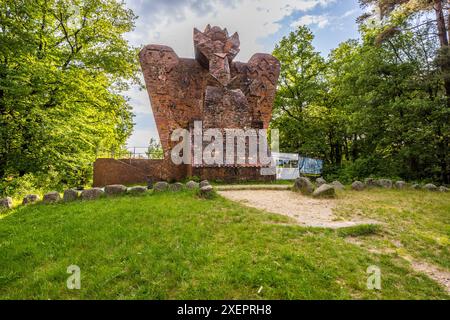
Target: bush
(18,187)
(371,167)
(360,230)
(192,178)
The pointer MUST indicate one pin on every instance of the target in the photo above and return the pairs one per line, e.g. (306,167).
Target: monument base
(138,171)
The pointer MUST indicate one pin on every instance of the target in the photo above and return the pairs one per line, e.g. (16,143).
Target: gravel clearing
(306,211)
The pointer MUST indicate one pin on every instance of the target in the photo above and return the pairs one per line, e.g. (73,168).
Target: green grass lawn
(416,223)
(176,246)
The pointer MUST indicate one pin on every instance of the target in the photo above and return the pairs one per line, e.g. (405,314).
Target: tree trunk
(448,19)
(443,31)
(440,18)
(444,35)
(338,154)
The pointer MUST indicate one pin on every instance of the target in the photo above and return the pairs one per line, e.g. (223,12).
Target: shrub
(360,230)
(18,187)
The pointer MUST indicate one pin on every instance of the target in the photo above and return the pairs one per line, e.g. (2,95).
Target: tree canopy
(63,66)
(372,108)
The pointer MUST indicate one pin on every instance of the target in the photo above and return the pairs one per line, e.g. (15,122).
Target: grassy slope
(416,223)
(169,246)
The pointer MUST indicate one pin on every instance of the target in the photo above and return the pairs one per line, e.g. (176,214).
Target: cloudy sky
(260,24)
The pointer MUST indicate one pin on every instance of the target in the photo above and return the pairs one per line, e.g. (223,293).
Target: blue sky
(260,24)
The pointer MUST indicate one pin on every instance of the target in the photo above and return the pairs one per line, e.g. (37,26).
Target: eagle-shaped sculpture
(211,87)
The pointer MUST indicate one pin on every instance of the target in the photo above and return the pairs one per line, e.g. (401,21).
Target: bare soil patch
(437,274)
(304,210)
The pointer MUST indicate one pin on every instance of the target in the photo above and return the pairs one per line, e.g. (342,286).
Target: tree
(155,150)
(390,95)
(63,66)
(396,12)
(395,15)
(305,109)
(300,85)
(370,109)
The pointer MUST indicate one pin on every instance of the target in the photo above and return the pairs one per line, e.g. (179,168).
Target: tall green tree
(300,87)
(305,110)
(371,108)
(154,150)
(395,17)
(391,92)
(63,68)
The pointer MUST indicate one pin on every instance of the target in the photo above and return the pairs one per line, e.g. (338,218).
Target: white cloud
(320,20)
(141,138)
(252,19)
(140,99)
(324,20)
(350,13)
(171,22)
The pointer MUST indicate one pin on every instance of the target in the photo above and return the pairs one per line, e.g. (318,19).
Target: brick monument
(211,88)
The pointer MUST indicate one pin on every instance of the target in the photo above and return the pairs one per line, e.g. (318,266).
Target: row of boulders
(204,187)
(6,203)
(389,184)
(323,190)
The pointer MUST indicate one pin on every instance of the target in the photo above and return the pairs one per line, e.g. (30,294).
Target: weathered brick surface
(183,90)
(230,174)
(132,171)
(211,88)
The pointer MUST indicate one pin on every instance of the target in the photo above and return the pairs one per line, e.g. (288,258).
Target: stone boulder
(324,191)
(6,203)
(320,181)
(358,186)
(92,194)
(371,182)
(338,185)
(400,184)
(192,185)
(51,197)
(177,186)
(137,190)
(204,183)
(415,186)
(30,198)
(443,189)
(206,191)
(115,190)
(385,183)
(161,186)
(70,195)
(303,185)
(430,187)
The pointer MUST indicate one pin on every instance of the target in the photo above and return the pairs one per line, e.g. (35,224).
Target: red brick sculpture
(211,88)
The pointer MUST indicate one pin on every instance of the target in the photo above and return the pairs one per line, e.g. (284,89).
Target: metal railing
(128,153)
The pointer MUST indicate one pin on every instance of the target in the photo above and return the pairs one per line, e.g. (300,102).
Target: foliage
(155,150)
(192,178)
(63,65)
(359,230)
(296,110)
(369,109)
(37,183)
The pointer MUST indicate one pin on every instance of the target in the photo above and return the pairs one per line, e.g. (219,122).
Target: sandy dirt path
(306,211)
